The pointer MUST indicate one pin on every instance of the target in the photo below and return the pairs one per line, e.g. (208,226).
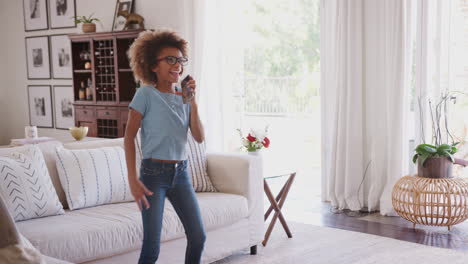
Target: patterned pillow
(26,187)
(197,165)
(93,177)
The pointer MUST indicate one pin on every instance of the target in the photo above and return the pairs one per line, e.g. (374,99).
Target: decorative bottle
(81,92)
(89,91)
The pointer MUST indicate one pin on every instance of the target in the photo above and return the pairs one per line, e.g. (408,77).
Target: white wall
(13,76)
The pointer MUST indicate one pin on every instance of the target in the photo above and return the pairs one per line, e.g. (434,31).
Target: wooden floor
(393,227)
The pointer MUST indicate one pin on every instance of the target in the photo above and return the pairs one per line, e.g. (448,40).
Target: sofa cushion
(93,177)
(109,143)
(48,151)
(107,230)
(197,165)
(25,185)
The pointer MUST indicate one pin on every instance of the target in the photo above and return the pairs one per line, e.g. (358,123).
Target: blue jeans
(170,180)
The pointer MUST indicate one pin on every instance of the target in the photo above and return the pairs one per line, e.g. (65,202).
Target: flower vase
(254,153)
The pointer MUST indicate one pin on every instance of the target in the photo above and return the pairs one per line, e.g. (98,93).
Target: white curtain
(365,67)
(442,66)
(214,31)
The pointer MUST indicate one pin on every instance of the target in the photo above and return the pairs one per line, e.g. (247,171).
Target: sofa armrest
(8,229)
(237,174)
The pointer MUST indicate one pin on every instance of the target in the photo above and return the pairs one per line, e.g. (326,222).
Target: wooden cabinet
(100,64)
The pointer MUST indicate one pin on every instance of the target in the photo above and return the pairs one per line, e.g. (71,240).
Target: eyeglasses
(171,60)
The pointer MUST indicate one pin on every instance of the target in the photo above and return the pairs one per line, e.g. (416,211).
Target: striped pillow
(93,177)
(197,165)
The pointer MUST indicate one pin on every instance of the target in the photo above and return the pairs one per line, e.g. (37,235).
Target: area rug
(316,244)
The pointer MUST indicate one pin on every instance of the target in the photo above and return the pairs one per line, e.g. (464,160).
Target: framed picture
(37,57)
(119,21)
(62,13)
(60,50)
(35,15)
(63,106)
(40,106)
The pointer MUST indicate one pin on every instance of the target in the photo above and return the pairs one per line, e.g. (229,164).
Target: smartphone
(187,94)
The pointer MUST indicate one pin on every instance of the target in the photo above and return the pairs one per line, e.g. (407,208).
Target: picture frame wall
(35,15)
(37,57)
(62,13)
(60,50)
(40,106)
(119,21)
(63,106)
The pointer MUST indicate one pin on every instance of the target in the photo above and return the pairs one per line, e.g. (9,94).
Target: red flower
(266,142)
(251,139)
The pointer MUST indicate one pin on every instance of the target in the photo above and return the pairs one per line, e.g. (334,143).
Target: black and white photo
(60,50)
(119,21)
(40,106)
(62,13)
(35,15)
(37,57)
(63,106)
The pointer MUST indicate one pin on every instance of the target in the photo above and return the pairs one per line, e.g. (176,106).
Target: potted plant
(88,25)
(436,160)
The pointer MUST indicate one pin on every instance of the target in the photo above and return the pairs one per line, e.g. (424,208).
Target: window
(281,87)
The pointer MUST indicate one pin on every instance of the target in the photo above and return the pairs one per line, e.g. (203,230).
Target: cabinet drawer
(124,115)
(84,114)
(107,113)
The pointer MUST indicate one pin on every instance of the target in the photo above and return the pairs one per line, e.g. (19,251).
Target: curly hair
(147,47)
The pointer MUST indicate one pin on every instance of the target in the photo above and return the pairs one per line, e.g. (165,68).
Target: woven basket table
(429,201)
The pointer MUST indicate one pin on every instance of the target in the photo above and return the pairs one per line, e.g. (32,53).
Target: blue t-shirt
(164,125)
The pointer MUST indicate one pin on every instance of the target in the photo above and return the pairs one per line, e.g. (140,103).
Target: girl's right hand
(139,192)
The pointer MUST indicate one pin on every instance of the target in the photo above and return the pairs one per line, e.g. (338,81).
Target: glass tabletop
(277,176)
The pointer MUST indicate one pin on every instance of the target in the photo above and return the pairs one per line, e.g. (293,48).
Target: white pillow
(25,185)
(197,165)
(93,177)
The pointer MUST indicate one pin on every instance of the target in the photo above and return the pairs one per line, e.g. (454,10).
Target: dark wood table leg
(253,250)
(277,207)
(270,209)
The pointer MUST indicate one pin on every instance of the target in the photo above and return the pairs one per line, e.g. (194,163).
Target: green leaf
(424,157)
(426,148)
(415,158)
(452,159)
(444,147)
(454,144)
(444,153)
(454,150)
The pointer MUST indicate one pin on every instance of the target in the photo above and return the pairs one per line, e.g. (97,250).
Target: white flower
(245,142)
(253,132)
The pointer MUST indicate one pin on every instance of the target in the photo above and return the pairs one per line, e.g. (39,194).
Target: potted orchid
(436,160)
(255,140)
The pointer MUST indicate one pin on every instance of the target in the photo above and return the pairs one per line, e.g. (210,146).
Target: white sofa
(112,233)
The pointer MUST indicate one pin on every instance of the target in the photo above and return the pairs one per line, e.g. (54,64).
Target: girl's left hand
(192,85)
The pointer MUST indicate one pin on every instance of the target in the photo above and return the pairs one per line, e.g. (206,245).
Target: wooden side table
(276,204)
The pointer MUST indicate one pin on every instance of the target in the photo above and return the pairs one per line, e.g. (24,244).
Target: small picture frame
(119,21)
(63,106)
(35,15)
(40,106)
(60,51)
(37,57)
(62,13)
